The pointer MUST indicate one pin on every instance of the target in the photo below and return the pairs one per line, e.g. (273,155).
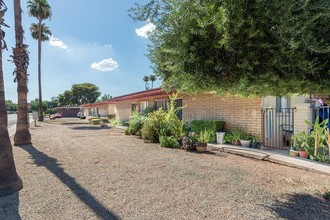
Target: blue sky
(97,43)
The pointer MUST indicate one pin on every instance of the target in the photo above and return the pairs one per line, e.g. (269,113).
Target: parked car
(79,114)
(57,115)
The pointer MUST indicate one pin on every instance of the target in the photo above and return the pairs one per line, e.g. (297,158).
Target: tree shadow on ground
(93,128)
(42,159)
(9,207)
(302,207)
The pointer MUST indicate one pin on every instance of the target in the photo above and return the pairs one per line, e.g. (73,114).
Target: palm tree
(146,80)
(9,179)
(21,59)
(41,10)
(152,79)
(45,32)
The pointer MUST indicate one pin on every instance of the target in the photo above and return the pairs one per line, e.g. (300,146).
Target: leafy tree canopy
(11,106)
(105,97)
(79,94)
(246,47)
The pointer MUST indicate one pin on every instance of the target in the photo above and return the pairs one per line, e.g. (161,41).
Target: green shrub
(50,111)
(237,135)
(114,122)
(136,123)
(152,126)
(127,132)
(204,136)
(212,125)
(162,123)
(148,110)
(91,118)
(95,121)
(228,138)
(172,126)
(170,142)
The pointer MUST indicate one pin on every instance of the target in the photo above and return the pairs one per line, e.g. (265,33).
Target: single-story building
(68,111)
(273,119)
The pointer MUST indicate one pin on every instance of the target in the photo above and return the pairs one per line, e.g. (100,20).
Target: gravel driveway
(79,171)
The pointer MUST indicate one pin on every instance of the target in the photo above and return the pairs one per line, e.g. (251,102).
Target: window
(142,106)
(134,105)
(282,103)
(161,104)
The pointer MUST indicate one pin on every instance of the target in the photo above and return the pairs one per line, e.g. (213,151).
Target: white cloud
(145,30)
(55,42)
(105,65)
(108,45)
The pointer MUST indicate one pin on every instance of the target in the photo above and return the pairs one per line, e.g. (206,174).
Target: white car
(79,114)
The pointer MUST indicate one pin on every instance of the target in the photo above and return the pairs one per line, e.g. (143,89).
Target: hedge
(91,118)
(211,125)
(95,121)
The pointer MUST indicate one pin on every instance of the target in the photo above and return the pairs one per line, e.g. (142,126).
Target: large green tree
(79,94)
(9,179)
(21,60)
(11,106)
(41,10)
(249,47)
(105,97)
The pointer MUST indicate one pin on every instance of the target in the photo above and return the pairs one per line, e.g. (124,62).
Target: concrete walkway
(273,155)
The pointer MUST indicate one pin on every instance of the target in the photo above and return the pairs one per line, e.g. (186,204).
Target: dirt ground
(78,171)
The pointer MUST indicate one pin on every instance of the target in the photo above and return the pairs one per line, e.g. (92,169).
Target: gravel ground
(79,171)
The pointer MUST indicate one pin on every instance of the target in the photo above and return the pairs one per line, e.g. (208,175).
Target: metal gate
(278,127)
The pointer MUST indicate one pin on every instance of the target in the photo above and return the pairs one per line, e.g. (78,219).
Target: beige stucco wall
(270,101)
(111,109)
(236,111)
(302,113)
(123,110)
(103,110)
(85,111)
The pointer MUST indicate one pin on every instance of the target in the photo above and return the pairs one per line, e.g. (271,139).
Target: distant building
(68,111)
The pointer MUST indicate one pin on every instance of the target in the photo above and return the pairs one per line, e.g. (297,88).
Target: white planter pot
(245,143)
(220,136)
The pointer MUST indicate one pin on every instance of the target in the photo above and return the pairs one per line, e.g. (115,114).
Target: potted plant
(303,143)
(236,135)
(254,141)
(293,151)
(189,142)
(202,139)
(245,140)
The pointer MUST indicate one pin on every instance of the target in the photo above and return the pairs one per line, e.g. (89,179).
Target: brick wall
(236,111)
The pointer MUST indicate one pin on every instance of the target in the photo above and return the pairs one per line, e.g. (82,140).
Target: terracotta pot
(201,147)
(303,154)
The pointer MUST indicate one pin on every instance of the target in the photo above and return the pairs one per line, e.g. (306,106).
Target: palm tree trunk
(9,180)
(21,60)
(41,114)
